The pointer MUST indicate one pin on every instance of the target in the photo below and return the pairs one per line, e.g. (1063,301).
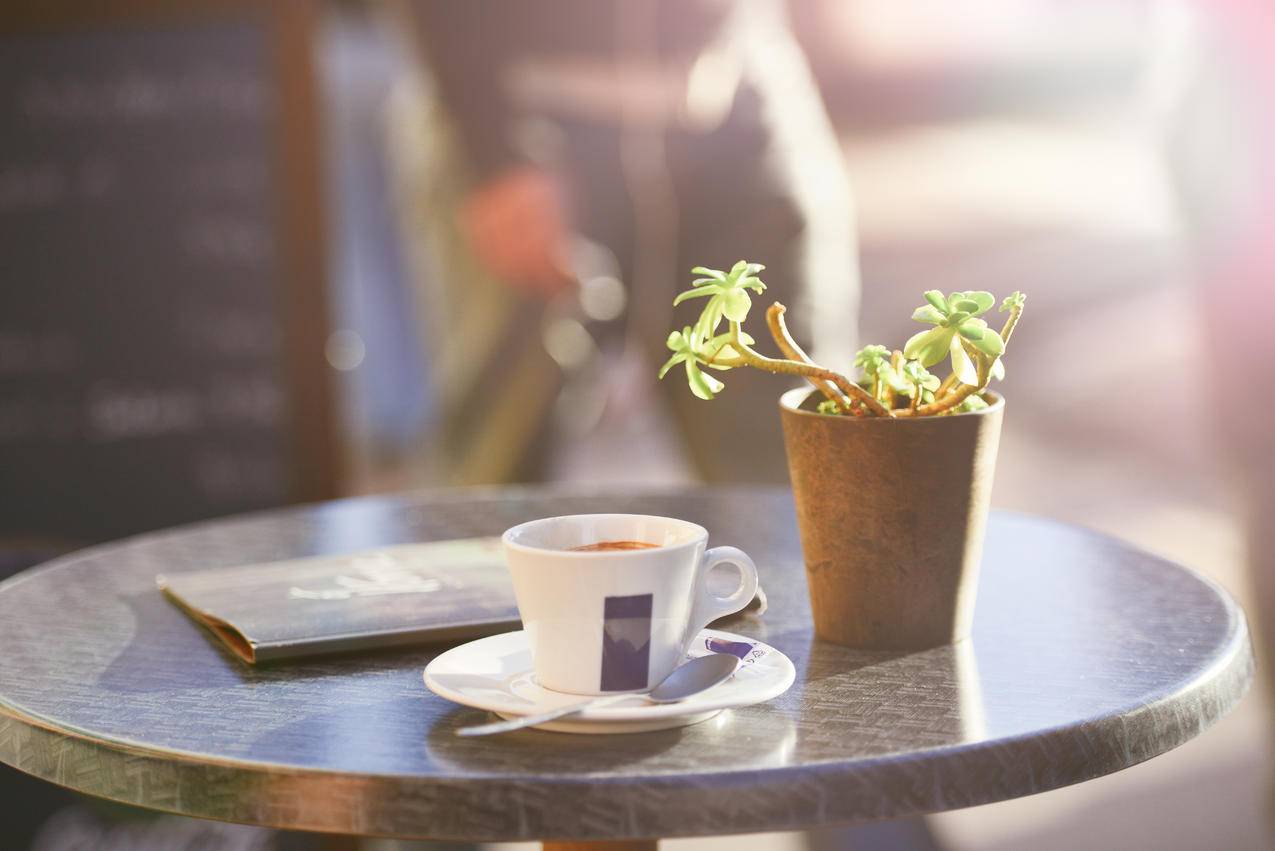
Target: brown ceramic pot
(891,514)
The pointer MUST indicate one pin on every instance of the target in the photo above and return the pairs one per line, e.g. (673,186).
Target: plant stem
(984,365)
(938,406)
(896,365)
(1010,323)
(946,386)
(808,371)
(793,351)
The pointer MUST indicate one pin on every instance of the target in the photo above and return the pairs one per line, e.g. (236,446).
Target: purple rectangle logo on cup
(734,648)
(626,642)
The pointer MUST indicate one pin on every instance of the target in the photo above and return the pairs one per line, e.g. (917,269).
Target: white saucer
(495,674)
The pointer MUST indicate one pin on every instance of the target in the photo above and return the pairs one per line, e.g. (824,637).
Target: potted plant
(892,472)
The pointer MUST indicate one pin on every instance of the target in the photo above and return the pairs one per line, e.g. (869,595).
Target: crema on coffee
(603,546)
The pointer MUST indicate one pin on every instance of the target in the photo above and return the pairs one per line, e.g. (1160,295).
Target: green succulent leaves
(689,347)
(956,323)
(882,378)
(686,345)
(872,359)
(727,293)
(919,378)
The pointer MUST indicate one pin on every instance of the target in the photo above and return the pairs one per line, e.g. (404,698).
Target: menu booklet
(406,594)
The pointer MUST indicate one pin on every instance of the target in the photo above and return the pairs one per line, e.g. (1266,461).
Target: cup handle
(708,607)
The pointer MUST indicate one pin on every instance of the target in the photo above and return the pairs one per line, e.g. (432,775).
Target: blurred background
(255,255)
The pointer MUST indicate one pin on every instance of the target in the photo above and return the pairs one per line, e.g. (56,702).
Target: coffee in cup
(602,546)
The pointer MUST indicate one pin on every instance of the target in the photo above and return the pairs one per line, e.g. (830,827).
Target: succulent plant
(893,383)
(956,325)
(727,293)
(689,347)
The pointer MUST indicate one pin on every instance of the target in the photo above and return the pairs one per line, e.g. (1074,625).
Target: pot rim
(790,402)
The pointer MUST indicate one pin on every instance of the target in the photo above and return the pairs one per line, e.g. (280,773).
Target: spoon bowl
(697,675)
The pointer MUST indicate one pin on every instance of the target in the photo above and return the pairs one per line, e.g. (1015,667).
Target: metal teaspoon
(687,680)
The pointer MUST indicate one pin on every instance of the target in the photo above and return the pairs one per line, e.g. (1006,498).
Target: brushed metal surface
(1088,656)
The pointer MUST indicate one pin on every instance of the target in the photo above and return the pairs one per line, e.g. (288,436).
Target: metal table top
(1088,656)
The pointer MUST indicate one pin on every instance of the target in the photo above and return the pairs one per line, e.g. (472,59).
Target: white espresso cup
(608,621)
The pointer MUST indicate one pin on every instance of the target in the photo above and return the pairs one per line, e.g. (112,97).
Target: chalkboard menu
(161,289)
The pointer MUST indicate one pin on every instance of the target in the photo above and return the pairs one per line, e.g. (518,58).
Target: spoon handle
(551,715)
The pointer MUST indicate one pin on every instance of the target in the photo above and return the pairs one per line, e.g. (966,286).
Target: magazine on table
(411,593)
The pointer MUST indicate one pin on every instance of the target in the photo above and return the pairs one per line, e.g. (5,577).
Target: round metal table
(1088,656)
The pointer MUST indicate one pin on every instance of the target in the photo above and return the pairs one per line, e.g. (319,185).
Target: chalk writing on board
(224,239)
(48,184)
(226,332)
(133,96)
(115,412)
